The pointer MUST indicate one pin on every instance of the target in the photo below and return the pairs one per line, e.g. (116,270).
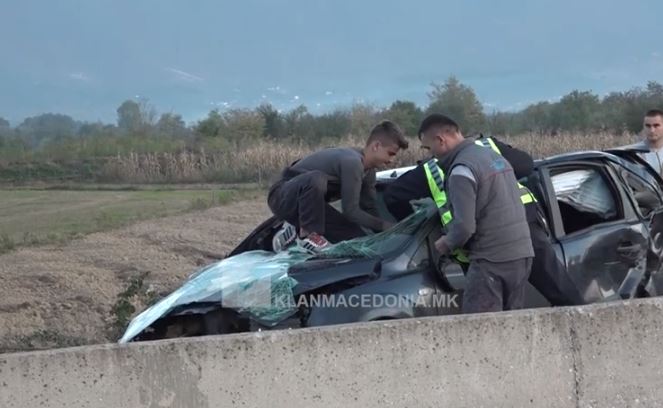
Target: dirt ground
(56,296)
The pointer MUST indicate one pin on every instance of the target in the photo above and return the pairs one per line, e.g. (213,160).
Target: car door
(412,278)
(601,237)
(452,281)
(647,198)
(448,277)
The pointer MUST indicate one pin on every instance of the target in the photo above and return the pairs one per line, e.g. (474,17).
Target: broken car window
(584,198)
(645,195)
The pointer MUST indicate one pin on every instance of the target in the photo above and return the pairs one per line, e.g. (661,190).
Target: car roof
(394,173)
(573,156)
(616,155)
(626,156)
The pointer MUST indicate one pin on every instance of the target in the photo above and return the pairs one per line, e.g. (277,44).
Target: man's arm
(352,172)
(463,195)
(368,196)
(409,186)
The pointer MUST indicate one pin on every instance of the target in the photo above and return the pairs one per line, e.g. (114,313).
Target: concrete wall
(596,356)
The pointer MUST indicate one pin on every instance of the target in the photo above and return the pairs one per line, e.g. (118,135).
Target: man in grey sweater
(305,188)
(652,128)
(488,217)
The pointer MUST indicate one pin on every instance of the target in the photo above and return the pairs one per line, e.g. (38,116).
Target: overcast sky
(84,57)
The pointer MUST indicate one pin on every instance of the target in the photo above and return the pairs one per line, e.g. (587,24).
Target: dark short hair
(436,119)
(654,112)
(388,132)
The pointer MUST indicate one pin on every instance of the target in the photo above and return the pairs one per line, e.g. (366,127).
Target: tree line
(139,128)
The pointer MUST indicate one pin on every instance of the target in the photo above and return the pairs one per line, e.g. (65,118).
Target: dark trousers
(301,202)
(549,275)
(496,286)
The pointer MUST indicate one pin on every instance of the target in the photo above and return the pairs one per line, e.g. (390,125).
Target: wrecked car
(604,210)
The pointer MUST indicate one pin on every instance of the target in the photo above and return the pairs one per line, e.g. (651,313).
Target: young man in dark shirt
(301,197)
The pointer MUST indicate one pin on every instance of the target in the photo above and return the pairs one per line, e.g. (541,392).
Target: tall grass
(540,146)
(259,162)
(263,161)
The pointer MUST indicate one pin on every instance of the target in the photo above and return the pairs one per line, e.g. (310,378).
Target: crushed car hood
(262,284)
(259,284)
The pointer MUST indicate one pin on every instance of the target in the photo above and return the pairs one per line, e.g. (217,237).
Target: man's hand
(419,203)
(387,225)
(441,246)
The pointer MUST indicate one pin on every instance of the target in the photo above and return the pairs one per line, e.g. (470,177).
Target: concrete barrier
(595,356)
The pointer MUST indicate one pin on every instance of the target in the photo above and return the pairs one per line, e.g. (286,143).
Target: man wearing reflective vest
(435,179)
(483,214)
(548,274)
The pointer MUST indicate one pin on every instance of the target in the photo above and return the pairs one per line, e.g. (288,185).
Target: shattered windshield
(254,283)
(380,243)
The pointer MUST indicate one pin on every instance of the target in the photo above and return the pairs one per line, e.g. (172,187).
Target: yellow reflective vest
(435,177)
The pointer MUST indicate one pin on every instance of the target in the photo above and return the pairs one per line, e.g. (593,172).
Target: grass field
(30,217)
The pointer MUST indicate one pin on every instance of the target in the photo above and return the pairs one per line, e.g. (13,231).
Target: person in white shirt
(653,131)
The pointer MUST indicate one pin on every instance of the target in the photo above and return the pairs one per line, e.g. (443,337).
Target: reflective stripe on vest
(435,177)
(488,142)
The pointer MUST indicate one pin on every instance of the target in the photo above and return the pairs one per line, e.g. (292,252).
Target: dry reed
(263,161)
